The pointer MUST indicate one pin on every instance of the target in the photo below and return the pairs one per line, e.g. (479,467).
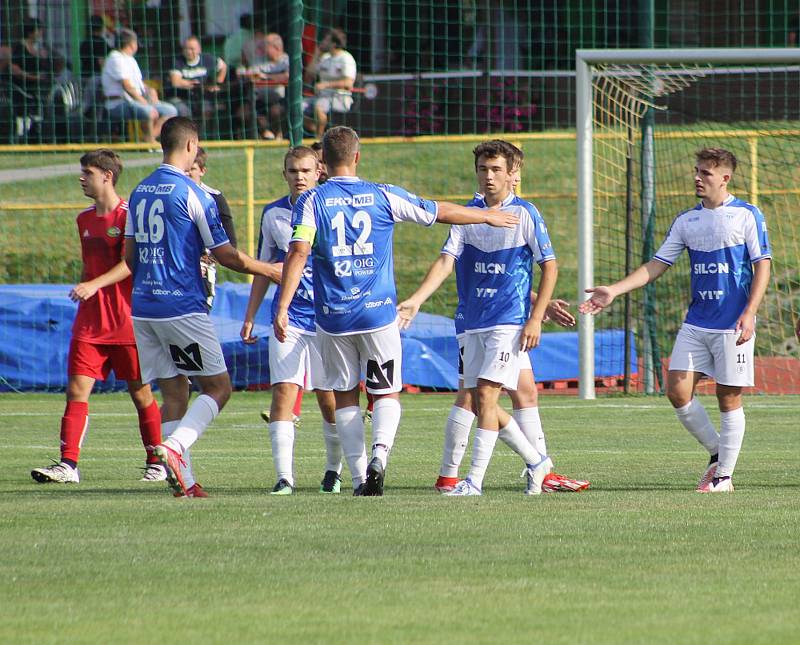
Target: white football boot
(58,473)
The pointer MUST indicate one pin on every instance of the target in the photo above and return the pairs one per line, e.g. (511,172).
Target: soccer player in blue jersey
(172,221)
(730,259)
(507,161)
(494,273)
(297,358)
(350,224)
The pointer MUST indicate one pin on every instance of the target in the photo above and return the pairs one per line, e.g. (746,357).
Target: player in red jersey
(102,334)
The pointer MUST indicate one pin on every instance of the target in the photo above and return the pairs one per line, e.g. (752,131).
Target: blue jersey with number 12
(172,221)
(353,223)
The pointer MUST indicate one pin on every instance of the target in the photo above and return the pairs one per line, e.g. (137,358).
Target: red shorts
(97,361)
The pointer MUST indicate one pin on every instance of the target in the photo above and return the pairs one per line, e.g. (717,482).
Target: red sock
(298,402)
(150,429)
(73,428)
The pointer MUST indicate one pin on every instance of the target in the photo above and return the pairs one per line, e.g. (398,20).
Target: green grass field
(639,557)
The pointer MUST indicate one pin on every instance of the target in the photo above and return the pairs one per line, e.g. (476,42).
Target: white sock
(385,421)
(350,427)
(482,448)
(514,438)
(531,425)
(167,428)
(194,423)
(333,447)
(456,435)
(695,419)
(731,435)
(281,434)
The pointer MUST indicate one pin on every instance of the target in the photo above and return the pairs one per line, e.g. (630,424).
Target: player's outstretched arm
(438,272)
(450,213)
(85,290)
(603,296)
(293,266)
(557,311)
(234,259)
(747,321)
(257,292)
(532,331)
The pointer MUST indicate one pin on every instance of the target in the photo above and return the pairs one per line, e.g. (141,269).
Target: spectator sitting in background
(195,80)
(93,52)
(32,69)
(334,70)
(94,49)
(232,49)
(269,73)
(127,97)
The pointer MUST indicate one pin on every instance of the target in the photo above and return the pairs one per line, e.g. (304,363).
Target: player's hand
(82,292)
(557,312)
(504,219)
(747,326)
(247,332)
(406,311)
(280,324)
(531,335)
(601,298)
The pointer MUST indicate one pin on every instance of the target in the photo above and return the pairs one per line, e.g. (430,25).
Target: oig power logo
(348,268)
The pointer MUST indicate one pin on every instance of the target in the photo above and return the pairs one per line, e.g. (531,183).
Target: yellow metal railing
(249,147)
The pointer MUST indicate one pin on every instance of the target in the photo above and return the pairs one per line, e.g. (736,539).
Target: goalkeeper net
(645,120)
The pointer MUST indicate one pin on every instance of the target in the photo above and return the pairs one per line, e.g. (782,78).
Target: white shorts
(295,359)
(184,346)
(493,356)
(524,357)
(714,354)
(378,354)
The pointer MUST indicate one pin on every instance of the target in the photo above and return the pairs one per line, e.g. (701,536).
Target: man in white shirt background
(126,96)
(334,70)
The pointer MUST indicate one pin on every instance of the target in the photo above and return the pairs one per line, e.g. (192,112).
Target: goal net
(642,114)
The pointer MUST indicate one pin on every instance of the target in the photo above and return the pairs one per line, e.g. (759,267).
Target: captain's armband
(304,233)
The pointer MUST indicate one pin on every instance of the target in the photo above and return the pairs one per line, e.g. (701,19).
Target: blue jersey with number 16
(171,220)
(350,223)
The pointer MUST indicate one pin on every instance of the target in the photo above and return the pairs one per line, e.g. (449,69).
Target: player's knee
(678,397)
(729,398)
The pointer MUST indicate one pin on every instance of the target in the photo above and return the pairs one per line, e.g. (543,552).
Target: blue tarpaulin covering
(36,321)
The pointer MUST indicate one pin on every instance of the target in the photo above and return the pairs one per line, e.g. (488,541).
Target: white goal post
(585,62)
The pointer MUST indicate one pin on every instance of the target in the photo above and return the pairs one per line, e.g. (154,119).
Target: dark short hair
(125,37)
(498,148)
(176,132)
(96,22)
(29,26)
(717,157)
(298,152)
(106,160)
(338,37)
(517,156)
(339,146)
(201,158)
